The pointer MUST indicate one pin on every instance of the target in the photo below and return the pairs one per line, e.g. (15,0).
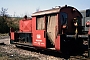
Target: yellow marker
(76,31)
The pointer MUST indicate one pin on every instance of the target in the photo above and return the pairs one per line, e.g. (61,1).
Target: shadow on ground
(51,52)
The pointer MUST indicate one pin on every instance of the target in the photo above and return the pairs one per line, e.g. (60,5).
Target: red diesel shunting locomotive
(58,28)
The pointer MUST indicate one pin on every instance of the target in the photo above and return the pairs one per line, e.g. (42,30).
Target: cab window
(63,18)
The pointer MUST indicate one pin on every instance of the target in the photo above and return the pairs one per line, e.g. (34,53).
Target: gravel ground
(5,39)
(11,52)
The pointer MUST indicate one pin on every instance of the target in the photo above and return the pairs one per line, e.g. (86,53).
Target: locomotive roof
(53,10)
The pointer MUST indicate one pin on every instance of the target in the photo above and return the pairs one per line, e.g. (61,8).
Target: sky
(27,7)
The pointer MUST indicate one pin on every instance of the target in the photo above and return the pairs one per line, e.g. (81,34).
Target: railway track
(30,53)
(18,52)
(34,54)
(56,54)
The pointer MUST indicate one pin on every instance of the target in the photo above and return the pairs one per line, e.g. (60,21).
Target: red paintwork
(57,40)
(25,25)
(35,32)
(88,23)
(57,43)
(38,39)
(89,31)
(12,36)
(33,24)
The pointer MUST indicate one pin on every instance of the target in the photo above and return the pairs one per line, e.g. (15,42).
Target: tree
(3,25)
(3,12)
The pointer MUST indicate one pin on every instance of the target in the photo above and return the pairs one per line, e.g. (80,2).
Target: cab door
(38,29)
(63,19)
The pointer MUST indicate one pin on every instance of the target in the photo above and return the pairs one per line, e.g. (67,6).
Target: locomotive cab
(58,28)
